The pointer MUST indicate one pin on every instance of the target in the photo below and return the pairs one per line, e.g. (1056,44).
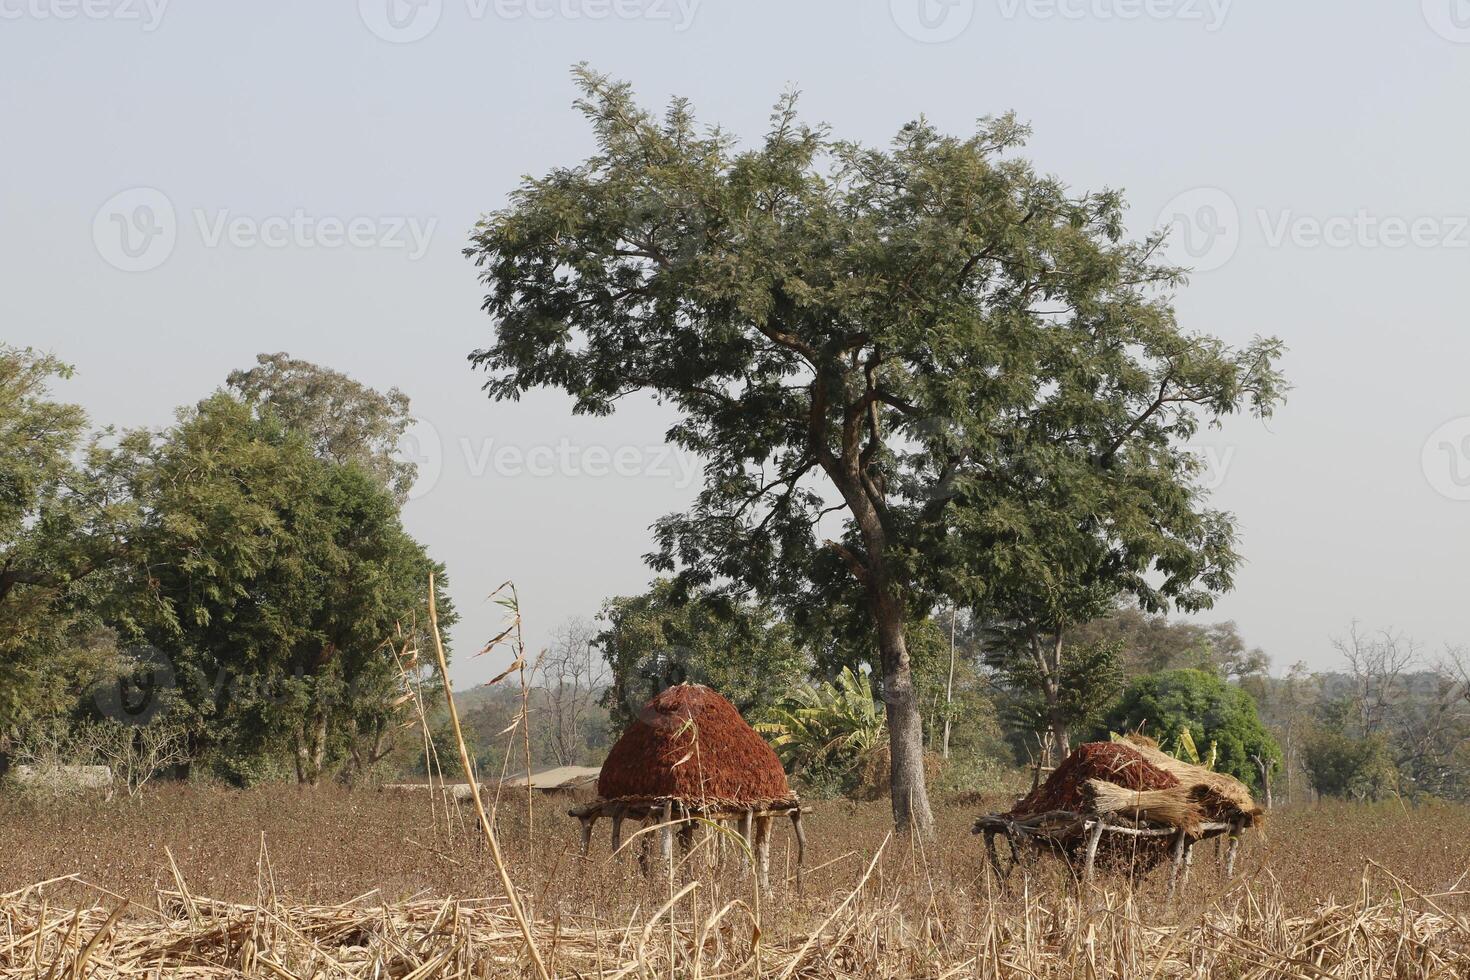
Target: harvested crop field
(281,882)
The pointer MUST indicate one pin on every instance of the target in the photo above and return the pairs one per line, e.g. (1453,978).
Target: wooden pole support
(1094,835)
(686,838)
(800,848)
(763,852)
(1176,866)
(992,856)
(800,838)
(747,834)
(666,834)
(1232,849)
(617,832)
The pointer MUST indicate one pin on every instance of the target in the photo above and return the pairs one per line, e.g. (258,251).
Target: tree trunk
(1048,660)
(1061,736)
(865,498)
(311,749)
(954,615)
(908,793)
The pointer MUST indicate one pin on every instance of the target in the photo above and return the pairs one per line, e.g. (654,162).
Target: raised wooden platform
(681,816)
(1059,828)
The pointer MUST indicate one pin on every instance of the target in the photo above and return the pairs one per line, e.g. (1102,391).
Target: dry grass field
(282,882)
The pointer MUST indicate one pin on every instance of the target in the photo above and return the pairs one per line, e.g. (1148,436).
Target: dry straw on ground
(1395,932)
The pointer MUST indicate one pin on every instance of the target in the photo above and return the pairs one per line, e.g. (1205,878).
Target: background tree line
(1390,721)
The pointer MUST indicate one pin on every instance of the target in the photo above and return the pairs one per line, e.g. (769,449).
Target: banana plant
(835,725)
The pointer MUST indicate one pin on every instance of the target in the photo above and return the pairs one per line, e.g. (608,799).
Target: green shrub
(1167,704)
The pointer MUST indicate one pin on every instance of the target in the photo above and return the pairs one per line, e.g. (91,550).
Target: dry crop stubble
(352,881)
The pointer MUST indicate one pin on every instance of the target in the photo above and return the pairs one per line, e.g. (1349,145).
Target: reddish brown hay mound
(690,744)
(1066,787)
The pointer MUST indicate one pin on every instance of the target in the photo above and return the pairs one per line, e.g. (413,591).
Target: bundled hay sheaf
(1137,779)
(1066,787)
(690,744)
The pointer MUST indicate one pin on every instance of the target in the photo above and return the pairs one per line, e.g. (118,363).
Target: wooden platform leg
(1176,866)
(666,834)
(1093,836)
(763,852)
(747,834)
(645,847)
(617,831)
(800,849)
(1232,849)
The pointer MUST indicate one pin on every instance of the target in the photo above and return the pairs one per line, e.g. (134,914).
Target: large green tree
(276,578)
(912,342)
(1149,644)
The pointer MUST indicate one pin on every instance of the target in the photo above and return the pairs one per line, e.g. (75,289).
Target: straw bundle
(1217,795)
(1135,778)
(1168,806)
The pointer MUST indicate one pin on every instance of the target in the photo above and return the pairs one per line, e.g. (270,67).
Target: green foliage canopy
(665,637)
(276,578)
(342,420)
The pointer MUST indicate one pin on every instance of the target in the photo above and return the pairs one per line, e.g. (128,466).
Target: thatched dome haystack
(691,745)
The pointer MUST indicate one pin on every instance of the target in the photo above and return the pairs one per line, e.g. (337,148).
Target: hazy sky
(186,184)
